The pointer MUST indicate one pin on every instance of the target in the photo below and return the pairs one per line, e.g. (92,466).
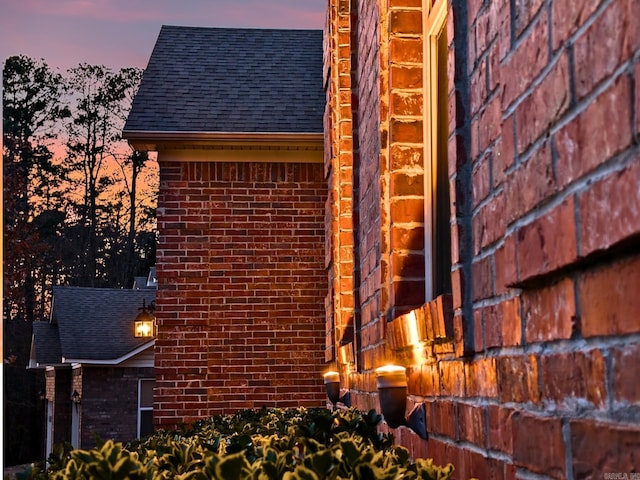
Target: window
(145,407)
(437,211)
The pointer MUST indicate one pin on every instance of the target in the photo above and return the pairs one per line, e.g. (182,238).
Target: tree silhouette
(31,106)
(73,208)
(74,213)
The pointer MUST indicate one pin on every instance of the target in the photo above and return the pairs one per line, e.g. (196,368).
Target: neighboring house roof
(96,324)
(45,345)
(140,282)
(231,80)
(152,279)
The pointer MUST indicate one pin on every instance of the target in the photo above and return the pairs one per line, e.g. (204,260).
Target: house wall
(241,287)
(536,373)
(109,407)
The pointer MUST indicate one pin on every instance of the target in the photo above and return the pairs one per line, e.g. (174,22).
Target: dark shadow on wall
(23,393)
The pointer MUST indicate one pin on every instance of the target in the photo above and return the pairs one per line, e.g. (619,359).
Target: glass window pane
(146,423)
(146,393)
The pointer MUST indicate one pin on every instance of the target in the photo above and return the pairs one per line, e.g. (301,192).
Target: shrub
(291,444)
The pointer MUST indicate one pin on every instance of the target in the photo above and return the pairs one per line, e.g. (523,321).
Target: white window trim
(140,407)
(434,19)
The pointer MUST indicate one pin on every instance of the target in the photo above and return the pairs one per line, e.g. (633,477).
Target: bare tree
(101,99)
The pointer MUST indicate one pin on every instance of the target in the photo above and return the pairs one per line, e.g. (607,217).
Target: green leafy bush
(269,444)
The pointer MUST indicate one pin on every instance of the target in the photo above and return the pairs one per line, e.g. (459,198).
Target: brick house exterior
(109,404)
(236,118)
(479,204)
(527,365)
(94,366)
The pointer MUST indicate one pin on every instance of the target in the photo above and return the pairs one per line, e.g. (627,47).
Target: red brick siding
(404,171)
(109,407)
(544,122)
(339,160)
(241,287)
(371,131)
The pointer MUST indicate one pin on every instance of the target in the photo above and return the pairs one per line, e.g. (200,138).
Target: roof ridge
(261,29)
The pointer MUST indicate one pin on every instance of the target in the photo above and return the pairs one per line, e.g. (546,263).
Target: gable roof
(45,346)
(97,323)
(235,80)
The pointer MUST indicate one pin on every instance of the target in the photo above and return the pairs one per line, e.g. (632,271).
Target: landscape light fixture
(392,391)
(332,384)
(144,325)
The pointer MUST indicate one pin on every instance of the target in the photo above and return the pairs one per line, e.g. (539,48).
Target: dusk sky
(121,33)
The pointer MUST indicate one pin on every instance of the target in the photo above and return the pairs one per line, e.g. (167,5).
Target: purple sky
(121,33)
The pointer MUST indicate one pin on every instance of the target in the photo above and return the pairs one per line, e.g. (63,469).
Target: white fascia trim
(45,366)
(114,361)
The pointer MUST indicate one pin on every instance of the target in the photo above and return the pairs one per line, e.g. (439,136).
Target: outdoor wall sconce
(332,384)
(75,397)
(392,391)
(144,325)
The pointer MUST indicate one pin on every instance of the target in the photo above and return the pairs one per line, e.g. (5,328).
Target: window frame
(140,407)
(434,24)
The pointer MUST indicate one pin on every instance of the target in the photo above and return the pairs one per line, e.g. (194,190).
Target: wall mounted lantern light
(75,397)
(144,325)
(332,384)
(392,390)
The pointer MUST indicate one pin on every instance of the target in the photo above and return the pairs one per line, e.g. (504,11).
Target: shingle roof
(97,323)
(231,80)
(46,342)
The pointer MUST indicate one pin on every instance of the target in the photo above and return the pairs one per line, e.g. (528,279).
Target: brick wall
(241,288)
(339,173)
(109,407)
(537,377)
